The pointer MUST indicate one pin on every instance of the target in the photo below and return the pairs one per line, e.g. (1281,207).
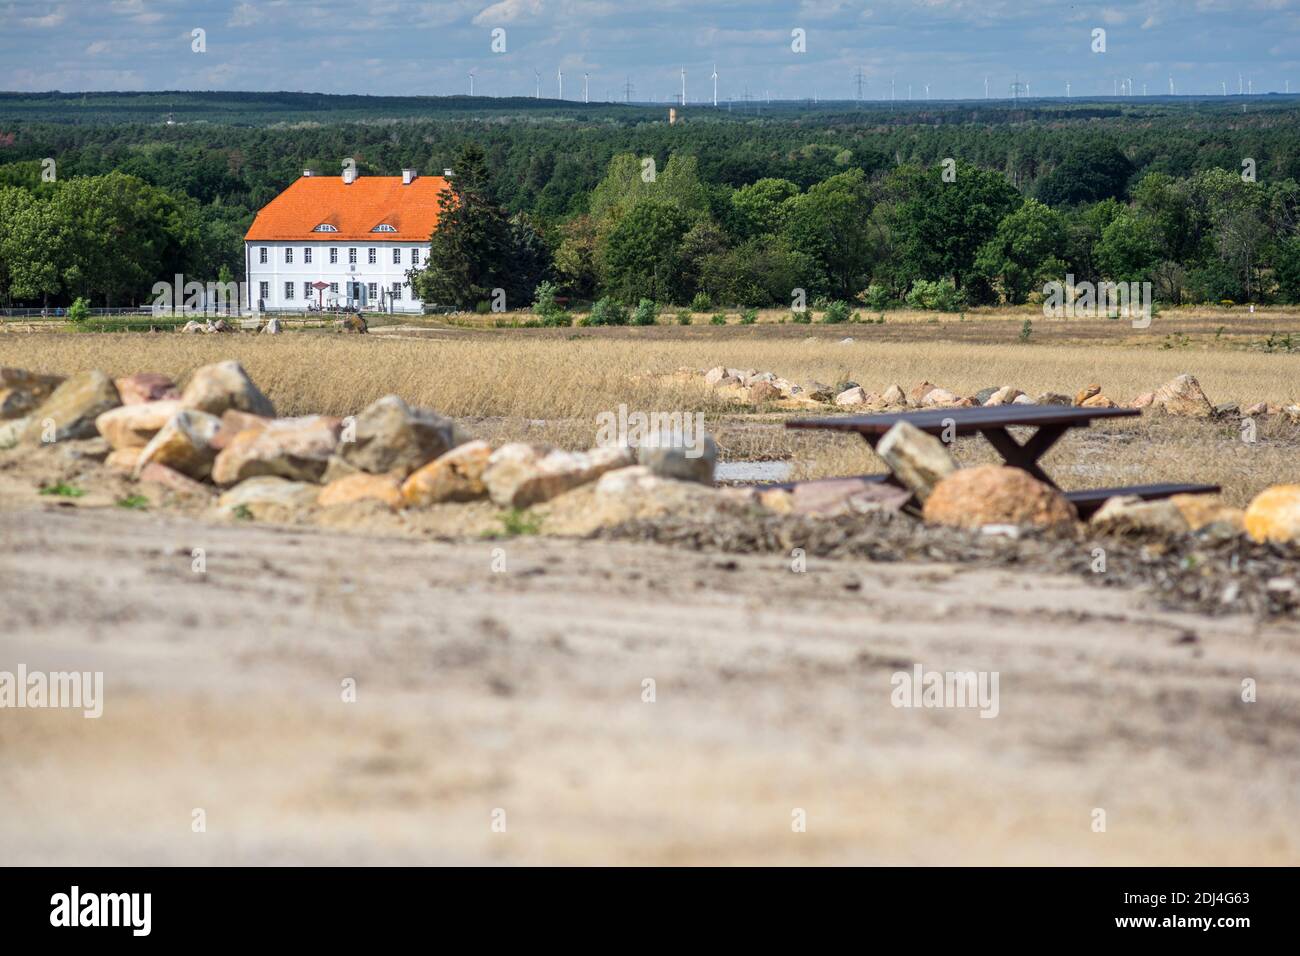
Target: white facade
(369,275)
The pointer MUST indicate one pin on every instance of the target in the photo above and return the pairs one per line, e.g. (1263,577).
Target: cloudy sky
(424,47)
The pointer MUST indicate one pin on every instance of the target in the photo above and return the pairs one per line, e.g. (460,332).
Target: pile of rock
(1181,396)
(219,439)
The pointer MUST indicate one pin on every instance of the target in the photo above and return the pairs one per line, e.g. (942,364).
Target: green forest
(933,205)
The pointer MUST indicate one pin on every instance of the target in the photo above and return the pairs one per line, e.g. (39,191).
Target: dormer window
(383,227)
(325,227)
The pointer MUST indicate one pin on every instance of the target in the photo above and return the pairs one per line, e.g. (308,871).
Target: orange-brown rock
(359,487)
(997,494)
(1274,514)
(456,475)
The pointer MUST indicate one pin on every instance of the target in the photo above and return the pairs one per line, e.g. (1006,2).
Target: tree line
(960,204)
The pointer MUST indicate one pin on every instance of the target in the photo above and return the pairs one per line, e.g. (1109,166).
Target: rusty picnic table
(1051,422)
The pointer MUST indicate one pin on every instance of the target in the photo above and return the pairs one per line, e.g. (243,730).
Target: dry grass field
(549,384)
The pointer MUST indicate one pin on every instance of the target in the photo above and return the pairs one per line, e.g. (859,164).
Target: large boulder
(183,444)
(894,396)
(833,497)
(233,422)
(1086,393)
(1130,515)
(1005,395)
(21,391)
(761,392)
(997,495)
(1274,515)
(1200,511)
(669,460)
(298,449)
(918,392)
(1098,401)
(851,397)
(215,388)
(268,499)
(919,460)
(456,475)
(940,397)
(1055,398)
(1182,396)
(71,410)
(519,475)
(132,426)
(146,387)
(171,480)
(390,436)
(629,494)
(361,487)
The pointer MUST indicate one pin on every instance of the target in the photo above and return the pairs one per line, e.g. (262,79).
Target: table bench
(1050,422)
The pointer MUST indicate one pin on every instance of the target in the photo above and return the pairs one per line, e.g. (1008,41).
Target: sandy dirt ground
(516,694)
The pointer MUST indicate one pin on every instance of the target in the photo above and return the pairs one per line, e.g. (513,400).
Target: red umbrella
(320,287)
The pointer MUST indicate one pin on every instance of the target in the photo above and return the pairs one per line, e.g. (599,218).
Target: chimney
(408,176)
(309,172)
(446,174)
(349,176)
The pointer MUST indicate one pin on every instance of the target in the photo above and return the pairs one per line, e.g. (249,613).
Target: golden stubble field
(550,384)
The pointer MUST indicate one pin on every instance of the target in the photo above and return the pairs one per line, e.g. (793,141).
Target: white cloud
(244,15)
(508,11)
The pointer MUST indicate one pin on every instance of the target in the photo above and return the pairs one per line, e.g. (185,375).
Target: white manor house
(342,242)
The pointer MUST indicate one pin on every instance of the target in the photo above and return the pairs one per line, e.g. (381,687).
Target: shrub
(749,316)
(79,311)
(938,296)
(875,297)
(645,313)
(718,319)
(836,313)
(801,317)
(607,312)
(701,302)
(548,311)
(1026,330)
(684,317)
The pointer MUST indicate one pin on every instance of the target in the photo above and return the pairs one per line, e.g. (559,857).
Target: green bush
(79,311)
(801,317)
(645,313)
(718,319)
(938,296)
(701,302)
(836,313)
(875,297)
(749,316)
(483,308)
(684,317)
(549,312)
(607,312)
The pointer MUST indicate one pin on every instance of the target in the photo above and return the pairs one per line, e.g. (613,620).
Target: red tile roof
(353,209)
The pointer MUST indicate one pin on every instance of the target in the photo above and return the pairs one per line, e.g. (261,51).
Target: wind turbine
(927,91)
(559,72)
(1225,87)
(471,82)
(683,86)
(986,87)
(715,86)
(1067,89)
(539,83)
(585,78)
(1171,86)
